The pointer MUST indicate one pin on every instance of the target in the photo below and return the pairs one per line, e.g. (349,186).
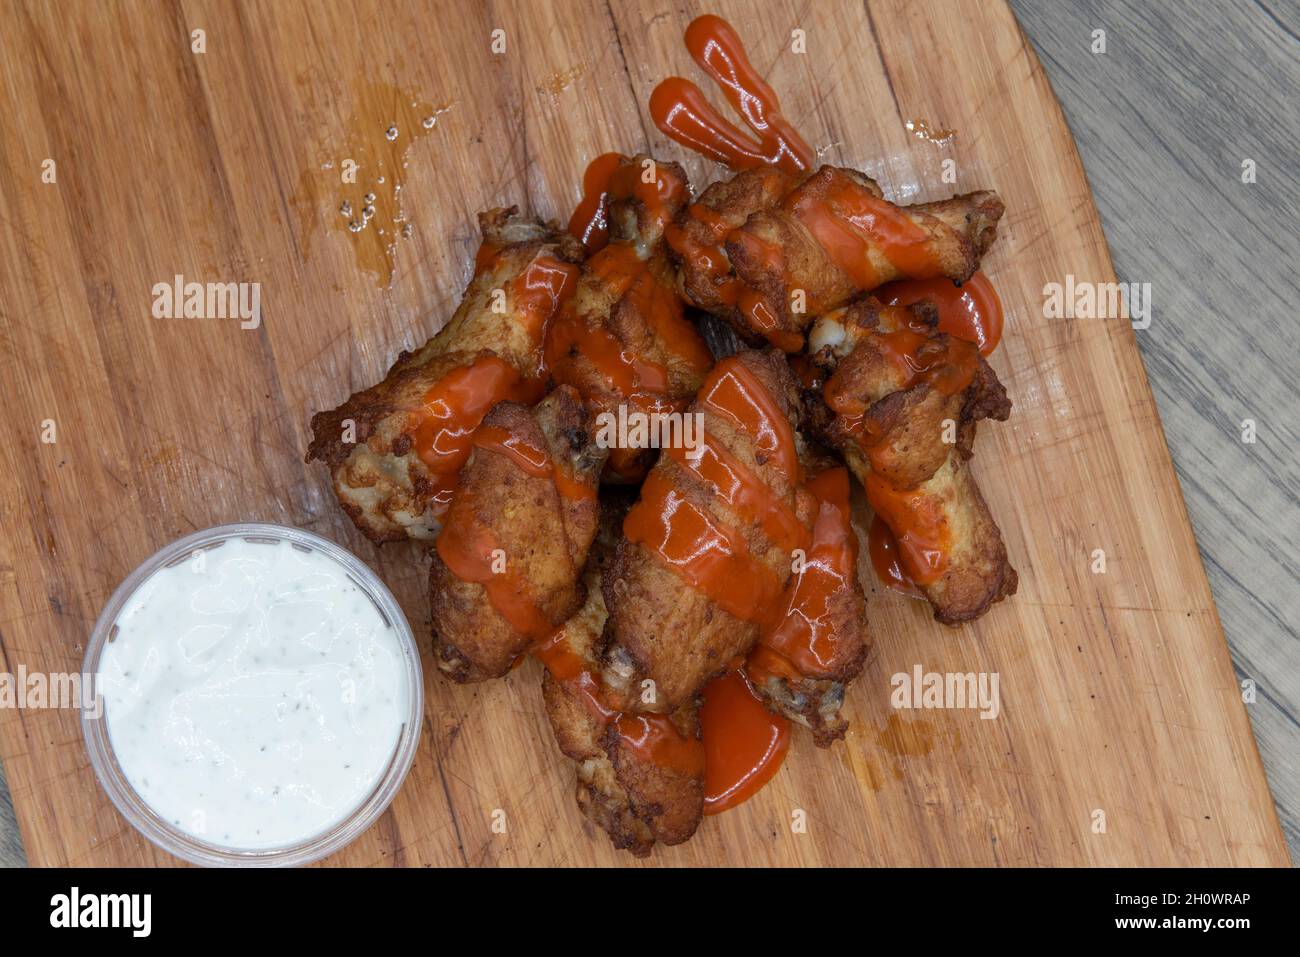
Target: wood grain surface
(1118,693)
(1184,94)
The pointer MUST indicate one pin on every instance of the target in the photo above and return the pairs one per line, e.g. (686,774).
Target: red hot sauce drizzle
(681,111)
(453,408)
(971,311)
(745,743)
(801,639)
(590,220)
(711,556)
(649,737)
(465,545)
(623,275)
(908,540)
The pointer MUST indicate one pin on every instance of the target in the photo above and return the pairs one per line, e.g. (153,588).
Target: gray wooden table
(1185,92)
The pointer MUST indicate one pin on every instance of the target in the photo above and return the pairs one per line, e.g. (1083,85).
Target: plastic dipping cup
(260,697)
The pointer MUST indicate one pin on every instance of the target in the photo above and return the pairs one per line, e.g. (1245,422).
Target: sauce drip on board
(681,111)
(744,743)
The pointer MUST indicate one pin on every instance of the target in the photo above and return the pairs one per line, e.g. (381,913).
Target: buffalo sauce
(470,549)
(466,546)
(649,737)
(913,550)
(571,671)
(920,529)
(733,392)
(802,640)
(611,177)
(744,743)
(681,111)
(709,555)
(848,221)
(971,311)
(945,364)
(539,291)
(453,408)
(622,272)
(619,273)
(882,546)
(590,220)
(744,492)
(533,460)
(625,375)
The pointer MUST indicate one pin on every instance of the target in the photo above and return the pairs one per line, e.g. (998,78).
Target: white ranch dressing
(253,694)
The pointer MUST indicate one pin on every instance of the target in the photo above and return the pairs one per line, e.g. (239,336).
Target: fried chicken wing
(807,656)
(768,252)
(640,778)
(707,550)
(394,450)
(623,338)
(902,405)
(506,568)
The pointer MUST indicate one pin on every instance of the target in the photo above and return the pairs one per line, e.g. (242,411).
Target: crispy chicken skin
(812,693)
(623,336)
(781,251)
(638,802)
(481,629)
(701,229)
(661,628)
(908,452)
(380,480)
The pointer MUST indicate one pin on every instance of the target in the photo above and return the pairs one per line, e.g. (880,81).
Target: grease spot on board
(561,80)
(353,191)
(923,130)
(887,749)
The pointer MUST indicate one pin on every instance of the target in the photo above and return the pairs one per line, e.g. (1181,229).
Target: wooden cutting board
(1117,691)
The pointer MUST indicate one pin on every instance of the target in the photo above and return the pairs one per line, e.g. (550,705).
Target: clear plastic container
(184,845)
